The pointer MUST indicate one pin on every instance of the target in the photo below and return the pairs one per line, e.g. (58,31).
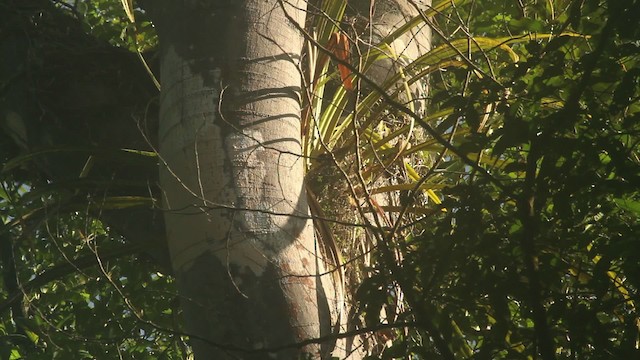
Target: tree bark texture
(241,243)
(381,18)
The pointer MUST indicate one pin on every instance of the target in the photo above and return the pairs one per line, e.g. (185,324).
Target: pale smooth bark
(248,270)
(241,243)
(386,16)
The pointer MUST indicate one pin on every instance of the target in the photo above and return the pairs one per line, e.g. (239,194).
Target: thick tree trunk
(241,243)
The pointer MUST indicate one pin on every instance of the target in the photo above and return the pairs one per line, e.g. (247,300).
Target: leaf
(629,205)
(333,11)
(127,5)
(124,202)
(15,355)
(415,177)
(339,46)
(405,187)
(3,194)
(32,336)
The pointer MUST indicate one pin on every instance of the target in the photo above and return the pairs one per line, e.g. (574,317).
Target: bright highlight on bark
(339,46)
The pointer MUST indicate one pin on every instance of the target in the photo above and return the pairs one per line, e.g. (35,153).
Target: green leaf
(629,205)
(15,355)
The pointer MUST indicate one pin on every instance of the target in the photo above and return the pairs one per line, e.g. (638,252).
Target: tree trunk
(240,239)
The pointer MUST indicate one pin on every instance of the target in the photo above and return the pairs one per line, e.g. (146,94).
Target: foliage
(72,287)
(531,254)
(107,20)
(82,293)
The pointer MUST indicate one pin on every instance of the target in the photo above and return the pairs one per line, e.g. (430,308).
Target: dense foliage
(517,214)
(535,254)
